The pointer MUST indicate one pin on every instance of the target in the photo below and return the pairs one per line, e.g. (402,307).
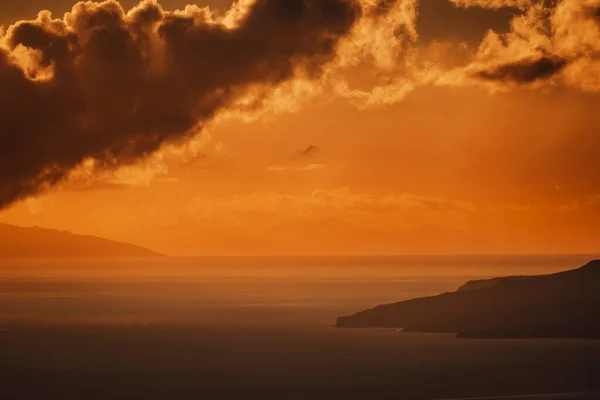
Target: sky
(305,127)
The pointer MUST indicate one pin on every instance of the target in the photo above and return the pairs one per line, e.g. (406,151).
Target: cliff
(565,304)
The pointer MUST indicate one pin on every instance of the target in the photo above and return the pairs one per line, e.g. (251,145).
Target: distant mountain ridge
(565,304)
(35,242)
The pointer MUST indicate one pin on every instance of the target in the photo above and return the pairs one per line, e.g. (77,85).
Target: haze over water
(263,326)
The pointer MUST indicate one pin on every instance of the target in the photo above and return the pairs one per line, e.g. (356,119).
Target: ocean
(263,327)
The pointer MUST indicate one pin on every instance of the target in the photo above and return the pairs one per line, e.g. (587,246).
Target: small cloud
(304,160)
(277,168)
(312,151)
(524,71)
(91,176)
(313,167)
(141,174)
(301,168)
(34,206)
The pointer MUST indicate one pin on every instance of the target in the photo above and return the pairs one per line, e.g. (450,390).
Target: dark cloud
(525,71)
(564,36)
(595,12)
(115,87)
(383,7)
(312,151)
(443,20)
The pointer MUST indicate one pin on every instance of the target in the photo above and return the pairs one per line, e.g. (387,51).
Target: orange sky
(413,158)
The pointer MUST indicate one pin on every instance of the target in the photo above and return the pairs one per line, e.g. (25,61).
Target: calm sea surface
(262,328)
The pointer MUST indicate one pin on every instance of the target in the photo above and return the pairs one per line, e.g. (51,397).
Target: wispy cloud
(302,168)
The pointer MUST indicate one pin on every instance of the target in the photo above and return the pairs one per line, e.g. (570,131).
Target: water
(262,328)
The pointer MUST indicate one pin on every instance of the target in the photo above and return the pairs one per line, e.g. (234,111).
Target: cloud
(117,86)
(548,44)
(308,159)
(323,203)
(492,4)
(114,86)
(524,71)
(377,42)
(155,167)
(579,204)
(302,168)
(557,41)
(312,151)
(396,212)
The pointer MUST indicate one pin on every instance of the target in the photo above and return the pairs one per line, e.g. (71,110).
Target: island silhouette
(35,242)
(560,305)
